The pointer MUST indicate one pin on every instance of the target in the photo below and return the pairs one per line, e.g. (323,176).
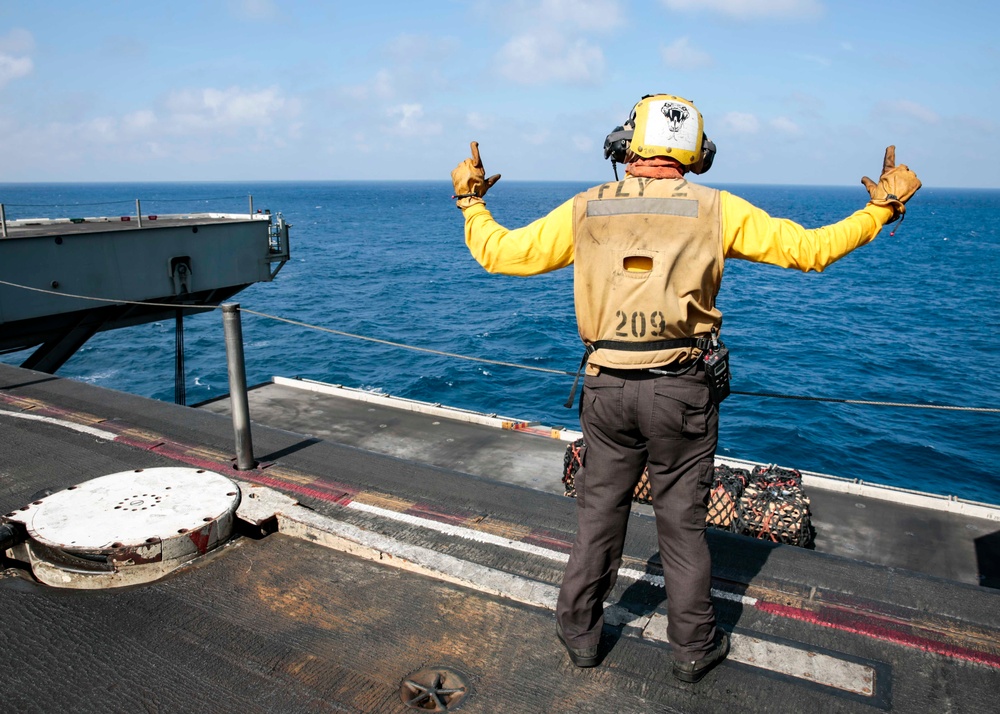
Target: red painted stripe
(174,452)
(868,628)
(341,498)
(548,540)
(332,492)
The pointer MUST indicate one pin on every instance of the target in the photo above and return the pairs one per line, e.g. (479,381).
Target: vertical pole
(251,203)
(3,221)
(180,390)
(138,212)
(238,386)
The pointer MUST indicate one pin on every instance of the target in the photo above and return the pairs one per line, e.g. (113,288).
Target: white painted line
(414,558)
(804,664)
(460,532)
(797,662)
(82,428)
(261,503)
(491,539)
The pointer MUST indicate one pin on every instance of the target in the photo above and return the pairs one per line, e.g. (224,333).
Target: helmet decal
(676,114)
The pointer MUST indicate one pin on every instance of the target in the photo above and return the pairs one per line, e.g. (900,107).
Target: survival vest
(647,267)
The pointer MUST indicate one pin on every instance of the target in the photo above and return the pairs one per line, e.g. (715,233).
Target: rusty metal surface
(125,528)
(286,625)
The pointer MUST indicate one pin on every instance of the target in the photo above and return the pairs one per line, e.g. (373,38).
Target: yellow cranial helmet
(665,125)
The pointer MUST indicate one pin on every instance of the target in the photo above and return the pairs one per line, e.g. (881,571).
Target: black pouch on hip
(717,372)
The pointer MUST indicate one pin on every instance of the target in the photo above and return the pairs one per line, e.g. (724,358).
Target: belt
(702,342)
(695,365)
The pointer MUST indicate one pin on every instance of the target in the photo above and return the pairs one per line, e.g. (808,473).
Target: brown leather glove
(470,180)
(895,186)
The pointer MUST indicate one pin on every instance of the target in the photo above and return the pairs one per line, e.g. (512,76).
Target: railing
(138,209)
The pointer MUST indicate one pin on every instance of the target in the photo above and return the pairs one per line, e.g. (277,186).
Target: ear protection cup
(616,144)
(707,156)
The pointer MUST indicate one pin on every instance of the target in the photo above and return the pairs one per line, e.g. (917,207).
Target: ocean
(910,318)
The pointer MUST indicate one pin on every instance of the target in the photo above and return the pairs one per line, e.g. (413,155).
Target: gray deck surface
(36,230)
(280,624)
(879,532)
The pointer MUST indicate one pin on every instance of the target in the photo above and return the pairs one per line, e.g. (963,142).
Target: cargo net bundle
(767,503)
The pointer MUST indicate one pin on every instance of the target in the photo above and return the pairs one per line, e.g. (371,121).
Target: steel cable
(483,360)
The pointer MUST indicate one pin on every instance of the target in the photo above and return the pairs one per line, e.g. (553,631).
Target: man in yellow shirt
(648,254)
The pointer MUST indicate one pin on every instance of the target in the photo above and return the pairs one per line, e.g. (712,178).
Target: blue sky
(793,91)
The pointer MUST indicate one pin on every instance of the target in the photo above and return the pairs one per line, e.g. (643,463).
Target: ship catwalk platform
(395,559)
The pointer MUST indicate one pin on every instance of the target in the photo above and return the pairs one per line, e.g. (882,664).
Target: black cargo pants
(631,418)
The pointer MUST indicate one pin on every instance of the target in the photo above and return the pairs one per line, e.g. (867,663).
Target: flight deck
(364,574)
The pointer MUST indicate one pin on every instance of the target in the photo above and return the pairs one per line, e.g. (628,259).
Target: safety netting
(767,503)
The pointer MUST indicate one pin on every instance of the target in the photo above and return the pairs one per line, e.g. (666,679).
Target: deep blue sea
(910,318)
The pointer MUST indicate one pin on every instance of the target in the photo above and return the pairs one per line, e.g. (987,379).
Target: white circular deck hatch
(128,527)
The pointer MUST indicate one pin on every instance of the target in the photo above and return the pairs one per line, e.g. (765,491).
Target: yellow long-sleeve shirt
(748,233)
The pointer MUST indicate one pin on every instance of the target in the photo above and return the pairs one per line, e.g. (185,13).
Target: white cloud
(554,40)
(681,54)
(478,121)
(750,9)
(12,68)
(537,58)
(741,123)
(409,121)
(139,121)
(193,128)
(101,129)
(784,125)
(200,109)
(14,62)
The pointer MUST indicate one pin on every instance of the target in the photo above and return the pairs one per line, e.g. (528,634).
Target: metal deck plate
(129,508)
(126,528)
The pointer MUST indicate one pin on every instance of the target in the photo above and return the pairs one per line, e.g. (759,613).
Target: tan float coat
(648,265)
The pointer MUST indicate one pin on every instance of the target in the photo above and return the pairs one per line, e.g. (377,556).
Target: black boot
(580,656)
(693,671)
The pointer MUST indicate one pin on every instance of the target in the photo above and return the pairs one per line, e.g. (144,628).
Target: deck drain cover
(126,528)
(434,689)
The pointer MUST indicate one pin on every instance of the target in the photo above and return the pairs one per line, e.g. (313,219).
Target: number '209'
(635,325)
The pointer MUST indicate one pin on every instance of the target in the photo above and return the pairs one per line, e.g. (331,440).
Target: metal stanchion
(180,390)
(238,386)
(3,221)
(138,212)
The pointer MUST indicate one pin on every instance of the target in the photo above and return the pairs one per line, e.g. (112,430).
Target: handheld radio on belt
(716,360)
